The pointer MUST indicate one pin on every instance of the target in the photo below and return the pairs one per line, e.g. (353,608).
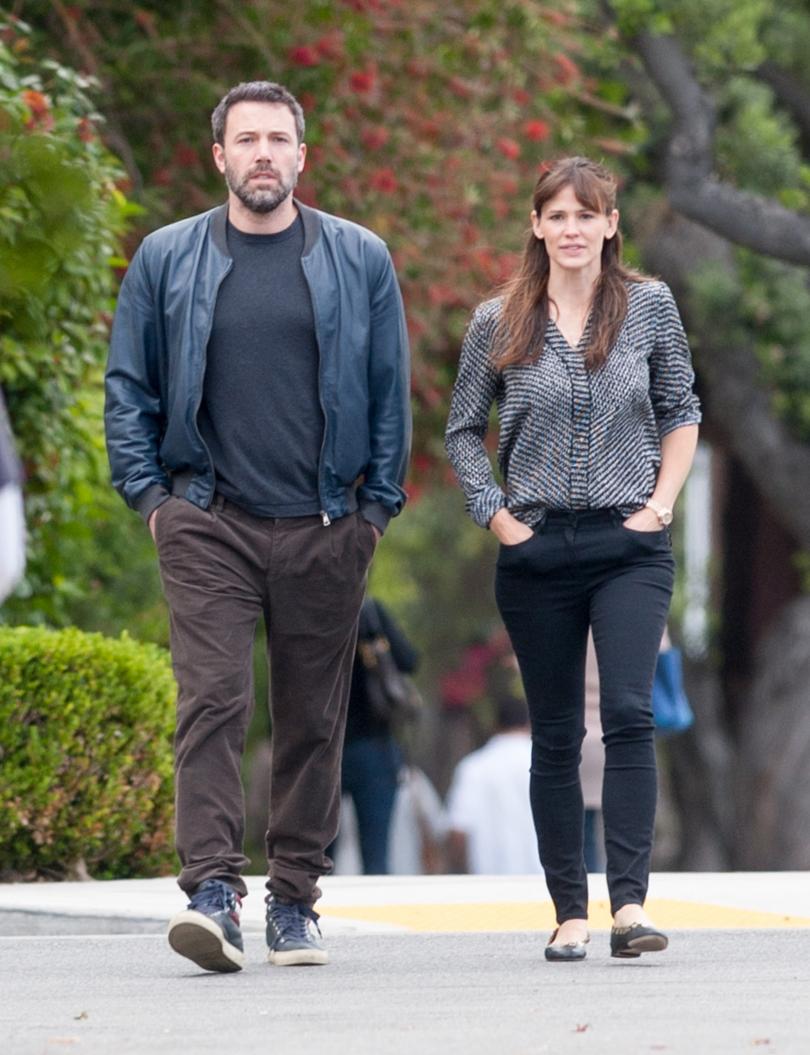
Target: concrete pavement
(420,966)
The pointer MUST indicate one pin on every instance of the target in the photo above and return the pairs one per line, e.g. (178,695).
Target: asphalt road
(407,994)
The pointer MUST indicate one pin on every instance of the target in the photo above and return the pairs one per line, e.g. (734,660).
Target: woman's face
(573,233)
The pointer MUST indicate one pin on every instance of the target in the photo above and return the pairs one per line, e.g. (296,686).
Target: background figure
(592,766)
(372,758)
(489,817)
(12,522)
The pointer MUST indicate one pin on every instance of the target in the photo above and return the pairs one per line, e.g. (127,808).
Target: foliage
(85,745)
(62,217)
(426,122)
(769,301)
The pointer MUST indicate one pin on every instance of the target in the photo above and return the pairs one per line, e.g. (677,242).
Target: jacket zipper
(222,278)
(325,519)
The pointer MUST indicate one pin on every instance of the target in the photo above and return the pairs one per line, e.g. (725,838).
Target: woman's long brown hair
(524,317)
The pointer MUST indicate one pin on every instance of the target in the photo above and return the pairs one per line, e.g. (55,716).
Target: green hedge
(86,724)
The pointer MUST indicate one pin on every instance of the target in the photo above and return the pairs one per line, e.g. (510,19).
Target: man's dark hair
(511,712)
(256,92)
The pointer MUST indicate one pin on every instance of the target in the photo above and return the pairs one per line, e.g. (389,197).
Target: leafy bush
(63,214)
(85,755)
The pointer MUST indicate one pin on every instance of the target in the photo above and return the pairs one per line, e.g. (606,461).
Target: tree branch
(747,219)
(791,94)
(730,374)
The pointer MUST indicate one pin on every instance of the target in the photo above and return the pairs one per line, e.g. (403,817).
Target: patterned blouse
(572,438)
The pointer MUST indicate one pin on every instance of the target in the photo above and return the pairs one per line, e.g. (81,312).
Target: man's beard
(260,201)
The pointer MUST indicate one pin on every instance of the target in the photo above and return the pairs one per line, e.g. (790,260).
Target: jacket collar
(311,218)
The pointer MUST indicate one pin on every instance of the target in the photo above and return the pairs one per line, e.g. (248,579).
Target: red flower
(537,131)
(459,88)
(422,463)
(413,490)
(384,180)
(37,103)
(185,156)
(509,148)
(304,56)
(362,80)
(521,96)
(567,70)
(85,130)
(375,137)
(330,45)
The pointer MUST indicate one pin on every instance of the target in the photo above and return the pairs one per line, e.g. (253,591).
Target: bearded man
(258,419)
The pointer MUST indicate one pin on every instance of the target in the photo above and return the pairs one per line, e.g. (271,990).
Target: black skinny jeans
(581,569)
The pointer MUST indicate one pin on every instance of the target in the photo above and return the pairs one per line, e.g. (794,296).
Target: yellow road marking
(539,915)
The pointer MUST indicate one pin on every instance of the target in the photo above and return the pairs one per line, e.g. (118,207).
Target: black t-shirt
(260,414)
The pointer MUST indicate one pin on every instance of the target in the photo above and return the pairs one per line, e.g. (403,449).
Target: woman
(590,368)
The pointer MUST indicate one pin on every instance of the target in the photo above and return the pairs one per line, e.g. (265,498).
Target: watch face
(665,517)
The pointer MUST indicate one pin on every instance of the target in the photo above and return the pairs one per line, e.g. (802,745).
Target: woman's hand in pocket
(509,530)
(642,520)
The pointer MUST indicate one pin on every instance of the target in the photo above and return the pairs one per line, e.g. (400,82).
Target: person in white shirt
(12,524)
(489,817)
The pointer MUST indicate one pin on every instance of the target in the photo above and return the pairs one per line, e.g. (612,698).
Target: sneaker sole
(199,939)
(298,957)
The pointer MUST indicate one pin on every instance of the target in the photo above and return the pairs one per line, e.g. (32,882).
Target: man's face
(261,157)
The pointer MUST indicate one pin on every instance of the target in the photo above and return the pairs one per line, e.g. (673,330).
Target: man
(258,419)
(490,823)
(12,522)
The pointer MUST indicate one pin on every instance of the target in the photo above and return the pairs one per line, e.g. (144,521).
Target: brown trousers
(221,569)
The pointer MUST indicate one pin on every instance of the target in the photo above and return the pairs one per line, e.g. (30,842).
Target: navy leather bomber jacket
(154,378)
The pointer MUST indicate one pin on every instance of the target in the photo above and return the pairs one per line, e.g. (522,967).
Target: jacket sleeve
(133,415)
(473,394)
(381,495)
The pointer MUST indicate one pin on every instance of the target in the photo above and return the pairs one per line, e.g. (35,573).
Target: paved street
(712,991)
(420,966)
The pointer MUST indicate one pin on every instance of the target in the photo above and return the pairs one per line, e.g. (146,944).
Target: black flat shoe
(572,950)
(632,941)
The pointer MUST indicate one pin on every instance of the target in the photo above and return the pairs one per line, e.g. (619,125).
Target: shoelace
(216,897)
(292,920)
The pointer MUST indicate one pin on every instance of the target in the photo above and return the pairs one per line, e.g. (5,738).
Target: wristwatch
(662,512)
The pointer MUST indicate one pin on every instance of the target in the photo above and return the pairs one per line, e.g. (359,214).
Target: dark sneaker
(290,937)
(208,931)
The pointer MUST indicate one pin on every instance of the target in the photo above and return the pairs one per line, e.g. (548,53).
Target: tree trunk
(741,778)
(773,769)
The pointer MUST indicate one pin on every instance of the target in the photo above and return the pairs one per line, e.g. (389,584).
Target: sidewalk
(448,904)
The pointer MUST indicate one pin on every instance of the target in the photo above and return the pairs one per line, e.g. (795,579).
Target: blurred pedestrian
(372,757)
(258,418)
(12,521)
(590,368)
(490,828)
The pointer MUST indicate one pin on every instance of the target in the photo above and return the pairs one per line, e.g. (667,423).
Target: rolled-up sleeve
(473,395)
(672,378)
